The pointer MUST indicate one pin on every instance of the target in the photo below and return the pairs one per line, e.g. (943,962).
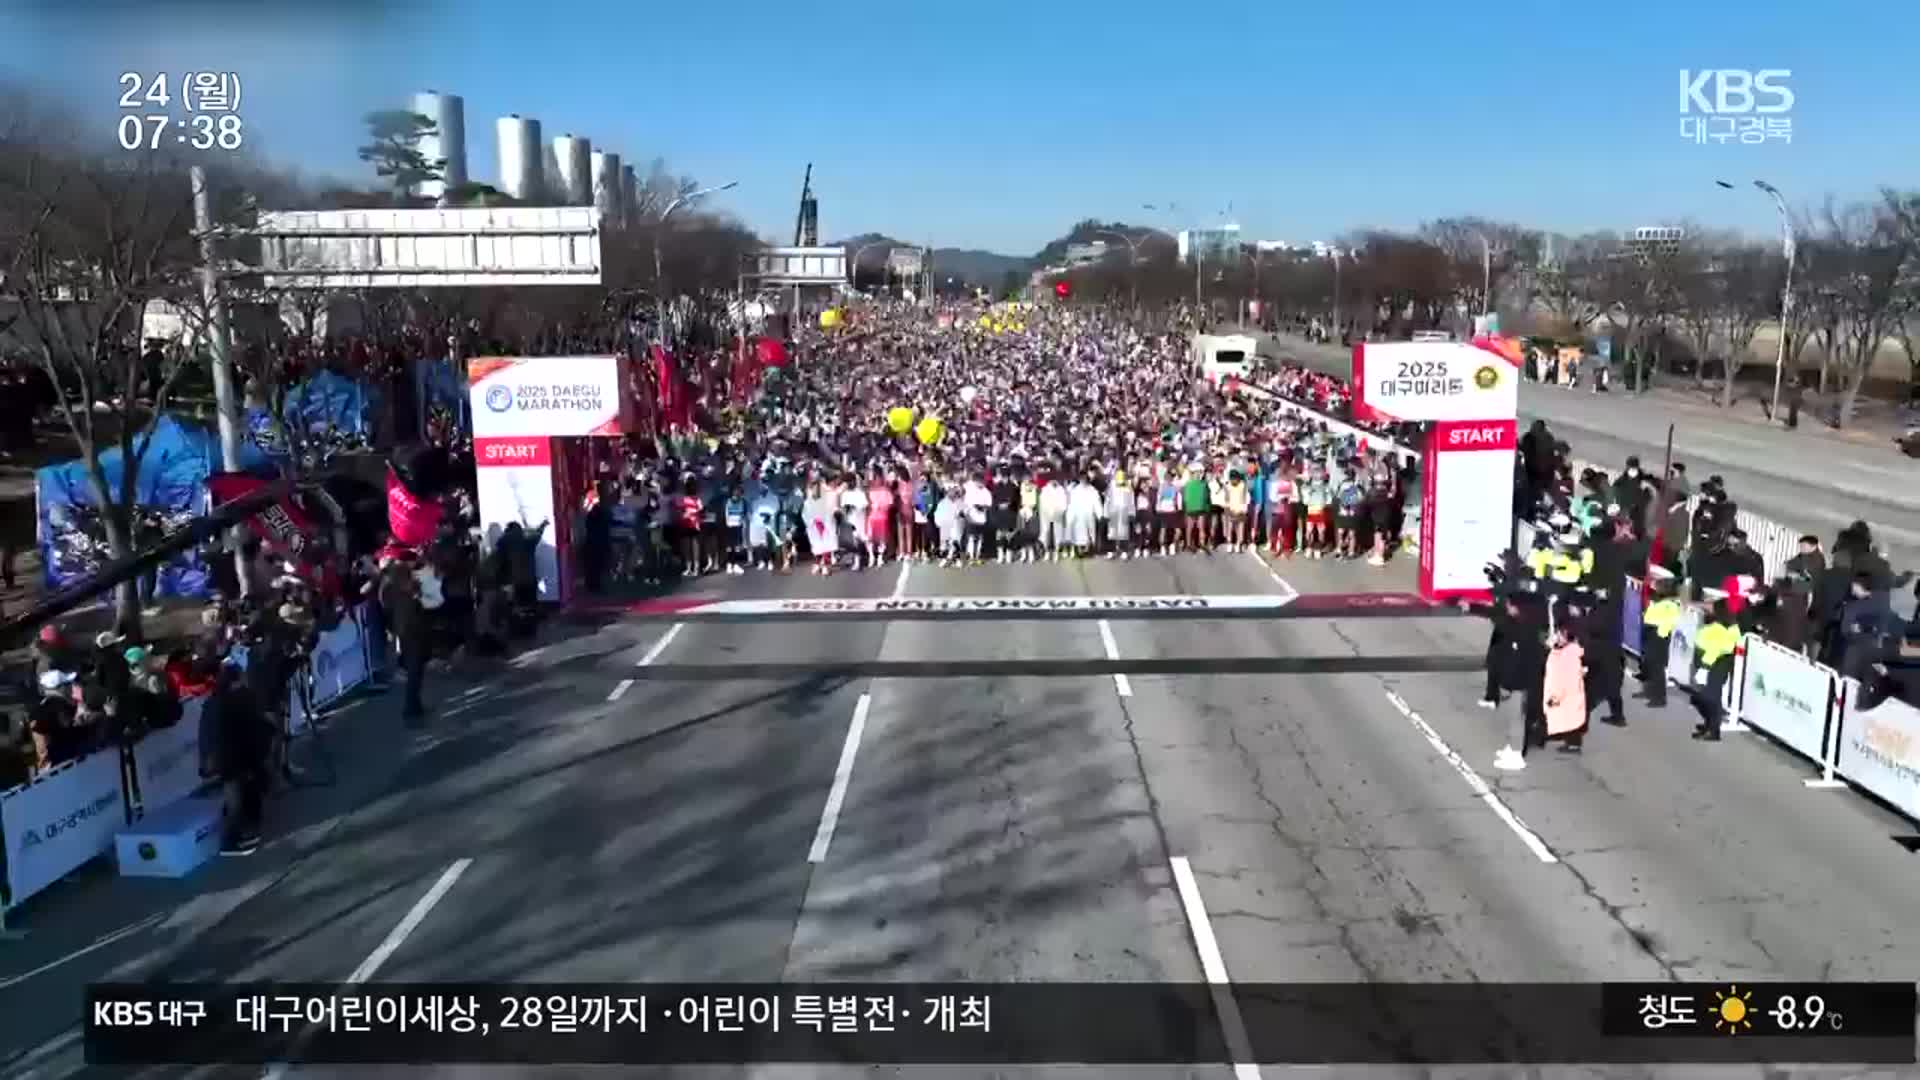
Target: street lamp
(659,271)
(1193,252)
(1133,262)
(853,264)
(1788,245)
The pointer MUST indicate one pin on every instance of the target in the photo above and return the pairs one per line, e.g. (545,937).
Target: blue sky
(979,125)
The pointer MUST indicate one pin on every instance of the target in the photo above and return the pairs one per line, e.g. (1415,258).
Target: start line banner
(983,605)
(1029,608)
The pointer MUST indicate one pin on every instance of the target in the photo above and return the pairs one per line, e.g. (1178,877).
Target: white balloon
(968,393)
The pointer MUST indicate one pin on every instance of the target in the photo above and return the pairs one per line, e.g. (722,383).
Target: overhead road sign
(801,265)
(510,245)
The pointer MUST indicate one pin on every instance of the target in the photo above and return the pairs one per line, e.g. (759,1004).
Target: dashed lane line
(1481,788)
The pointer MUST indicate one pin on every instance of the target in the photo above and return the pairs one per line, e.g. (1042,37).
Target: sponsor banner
(166,763)
(1680,646)
(1880,751)
(549,395)
(1436,380)
(60,821)
(1787,696)
(339,665)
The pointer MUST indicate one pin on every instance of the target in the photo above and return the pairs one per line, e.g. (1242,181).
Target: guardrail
(68,816)
(1334,424)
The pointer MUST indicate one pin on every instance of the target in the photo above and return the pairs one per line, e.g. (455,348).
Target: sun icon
(1732,1011)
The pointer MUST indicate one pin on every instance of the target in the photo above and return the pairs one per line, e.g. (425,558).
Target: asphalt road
(1026,828)
(1805,479)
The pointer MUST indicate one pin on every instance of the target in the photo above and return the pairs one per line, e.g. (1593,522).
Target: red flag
(412,520)
(282,526)
(676,397)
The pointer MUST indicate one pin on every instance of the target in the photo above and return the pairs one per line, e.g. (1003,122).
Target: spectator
(237,738)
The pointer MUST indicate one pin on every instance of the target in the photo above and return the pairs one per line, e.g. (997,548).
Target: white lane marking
(1214,966)
(1120,682)
(529,656)
(900,585)
(1285,586)
(101,943)
(660,646)
(1479,786)
(371,965)
(842,774)
(619,688)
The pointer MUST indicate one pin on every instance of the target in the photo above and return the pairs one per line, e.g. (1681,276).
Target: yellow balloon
(899,419)
(930,430)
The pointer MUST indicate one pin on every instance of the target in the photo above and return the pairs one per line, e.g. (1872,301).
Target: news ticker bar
(997,1023)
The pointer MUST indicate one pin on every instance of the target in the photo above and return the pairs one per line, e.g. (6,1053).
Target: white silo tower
(520,153)
(629,191)
(449,140)
(606,185)
(572,177)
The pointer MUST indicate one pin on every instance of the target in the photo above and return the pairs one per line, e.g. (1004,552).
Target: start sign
(1436,380)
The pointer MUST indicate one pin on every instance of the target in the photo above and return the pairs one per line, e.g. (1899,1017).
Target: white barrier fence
(67,817)
(1811,710)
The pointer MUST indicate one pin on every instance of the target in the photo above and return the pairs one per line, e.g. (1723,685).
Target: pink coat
(1566,689)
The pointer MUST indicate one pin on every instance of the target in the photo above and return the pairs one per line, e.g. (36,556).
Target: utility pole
(219,345)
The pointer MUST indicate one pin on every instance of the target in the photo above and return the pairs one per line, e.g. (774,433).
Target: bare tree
(1485,256)
(86,243)
(1874,249)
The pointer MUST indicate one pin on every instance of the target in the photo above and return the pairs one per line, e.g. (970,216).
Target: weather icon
(1731,1014)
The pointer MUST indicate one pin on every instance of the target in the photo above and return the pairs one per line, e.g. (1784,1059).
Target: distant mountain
(985,269)
(1090,231)
(982,268)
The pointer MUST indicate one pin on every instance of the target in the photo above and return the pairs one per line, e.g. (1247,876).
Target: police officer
(1656,640)
(1564,567)
(1713,651)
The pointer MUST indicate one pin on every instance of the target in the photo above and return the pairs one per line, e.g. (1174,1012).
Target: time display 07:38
(211,98)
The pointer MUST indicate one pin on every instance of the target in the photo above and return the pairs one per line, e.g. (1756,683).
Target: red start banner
(508,451)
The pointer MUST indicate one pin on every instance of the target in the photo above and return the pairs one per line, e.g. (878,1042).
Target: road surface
(609,825)
(1805,479)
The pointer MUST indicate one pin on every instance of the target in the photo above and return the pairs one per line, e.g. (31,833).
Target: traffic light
(1063,289)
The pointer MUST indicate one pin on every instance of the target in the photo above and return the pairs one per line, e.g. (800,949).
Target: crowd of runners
(1068,434)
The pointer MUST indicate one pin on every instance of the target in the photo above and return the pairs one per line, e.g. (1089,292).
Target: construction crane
(806,230)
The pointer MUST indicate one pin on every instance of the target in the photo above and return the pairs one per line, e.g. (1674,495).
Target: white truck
(1218,357)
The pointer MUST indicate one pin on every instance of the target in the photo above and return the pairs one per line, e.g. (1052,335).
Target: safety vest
(1560,566)
(1714,641)
(1663,616)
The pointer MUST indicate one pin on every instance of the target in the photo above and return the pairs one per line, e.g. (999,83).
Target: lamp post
(853,264)
(659,271)
(1133,262)
(1788,244)
(1193,252)
(1336,292)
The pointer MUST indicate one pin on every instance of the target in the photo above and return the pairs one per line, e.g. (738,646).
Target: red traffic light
(1062,289)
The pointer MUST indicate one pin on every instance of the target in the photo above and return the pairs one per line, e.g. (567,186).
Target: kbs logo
(1729,104)
(1734,91)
